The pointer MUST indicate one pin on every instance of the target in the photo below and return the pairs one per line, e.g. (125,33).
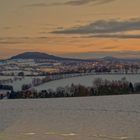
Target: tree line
(100,88)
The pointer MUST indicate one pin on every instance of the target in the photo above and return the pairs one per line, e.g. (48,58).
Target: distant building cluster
(40,67)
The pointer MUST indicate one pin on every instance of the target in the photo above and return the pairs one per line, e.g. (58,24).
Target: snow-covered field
(85,80)
(16,72)
(88,118)
(17,84)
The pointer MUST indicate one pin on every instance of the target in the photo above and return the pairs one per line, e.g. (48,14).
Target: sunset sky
(70,28)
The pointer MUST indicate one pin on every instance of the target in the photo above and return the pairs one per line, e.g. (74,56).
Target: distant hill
(115,59)
(110,58)
(35,55)
(40,55)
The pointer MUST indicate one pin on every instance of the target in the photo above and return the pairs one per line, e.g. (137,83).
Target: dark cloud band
(104,28)
(70,3)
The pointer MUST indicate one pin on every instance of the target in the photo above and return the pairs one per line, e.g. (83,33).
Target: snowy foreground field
(90,118)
